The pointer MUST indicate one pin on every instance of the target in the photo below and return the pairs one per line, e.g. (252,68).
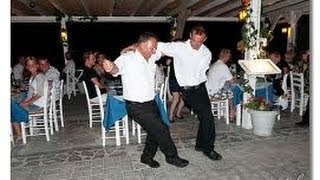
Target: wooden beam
(37,9)
(183,6)
(138,5)
(219,11)
(58,7)
(85,6)
(282,4)
(213,19)
(17,11)
(133,19)
(208,7)
(159,7)
(303,8)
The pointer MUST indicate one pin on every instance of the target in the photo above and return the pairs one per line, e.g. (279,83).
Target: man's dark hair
(199,29)
(146,36)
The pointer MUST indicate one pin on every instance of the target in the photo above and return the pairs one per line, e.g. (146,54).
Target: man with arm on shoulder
(137,70)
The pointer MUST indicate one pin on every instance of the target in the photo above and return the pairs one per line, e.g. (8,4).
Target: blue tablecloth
(260,92)
(115,109)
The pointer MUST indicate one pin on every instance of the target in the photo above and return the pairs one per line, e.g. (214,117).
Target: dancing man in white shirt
(137,70)
(191,60)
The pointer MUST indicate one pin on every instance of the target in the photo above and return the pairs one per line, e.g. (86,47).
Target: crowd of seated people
(33,100)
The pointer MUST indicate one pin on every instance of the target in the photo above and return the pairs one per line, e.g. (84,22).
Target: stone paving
(75,152)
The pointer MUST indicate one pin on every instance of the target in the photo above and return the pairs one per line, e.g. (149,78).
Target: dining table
(115,109)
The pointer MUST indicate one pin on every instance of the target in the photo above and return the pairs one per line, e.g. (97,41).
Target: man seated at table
(91,78)
(219,78)
(51,73)
(276,80)
(33,101)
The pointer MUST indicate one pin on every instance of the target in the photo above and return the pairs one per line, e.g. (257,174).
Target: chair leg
(61,113)
(46,128)
(126,123)
(139,133)
(103,135)
(238,116)
(227,111)
(133,128)
(117,132)
(90,116)
(55,117)
(23,133)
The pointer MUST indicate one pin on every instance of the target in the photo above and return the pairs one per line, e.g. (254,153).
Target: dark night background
(43,39)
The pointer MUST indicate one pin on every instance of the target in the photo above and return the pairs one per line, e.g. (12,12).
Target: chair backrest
(100,102)
(61,89)
(297,82)
(284,83)
(86,92)
(48,97)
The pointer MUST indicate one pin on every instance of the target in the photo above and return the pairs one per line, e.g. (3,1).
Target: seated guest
(51,73)
(98,67)
(18,70)
(34,99)
(218,76)
(91,77)
(277,79)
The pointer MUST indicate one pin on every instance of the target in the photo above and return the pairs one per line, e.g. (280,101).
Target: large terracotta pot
(263,122)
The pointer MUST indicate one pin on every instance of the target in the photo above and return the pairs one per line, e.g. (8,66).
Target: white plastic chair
(298,97)
(220,108)
(57,104)
(93,107)
(38,120)
(120,129)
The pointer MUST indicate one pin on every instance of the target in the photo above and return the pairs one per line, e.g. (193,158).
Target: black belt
(191,87)
(133,102)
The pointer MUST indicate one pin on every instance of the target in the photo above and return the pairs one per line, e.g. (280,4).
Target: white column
(255,5)
(65,45)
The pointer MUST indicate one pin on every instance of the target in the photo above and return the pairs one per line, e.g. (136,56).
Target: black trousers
(158,134)
(198,100)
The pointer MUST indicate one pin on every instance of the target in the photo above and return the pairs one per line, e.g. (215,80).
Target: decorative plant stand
(263,122)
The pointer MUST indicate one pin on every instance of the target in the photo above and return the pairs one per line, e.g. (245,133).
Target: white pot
(263,122)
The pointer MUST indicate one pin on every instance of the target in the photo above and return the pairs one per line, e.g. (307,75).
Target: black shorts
(174,86)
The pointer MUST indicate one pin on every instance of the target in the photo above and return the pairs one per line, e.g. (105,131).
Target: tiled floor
(75,152)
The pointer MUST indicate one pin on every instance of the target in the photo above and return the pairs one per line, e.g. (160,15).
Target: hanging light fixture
(64,35)
(243,14)
(284,30)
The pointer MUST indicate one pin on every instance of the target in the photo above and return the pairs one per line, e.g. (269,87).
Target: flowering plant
(258,104)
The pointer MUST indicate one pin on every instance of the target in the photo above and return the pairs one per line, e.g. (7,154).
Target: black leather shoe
(177,161)
(213,155)
(150,162)
(198,148)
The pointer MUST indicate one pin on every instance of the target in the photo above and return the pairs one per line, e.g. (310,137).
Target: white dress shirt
(137,75)
(190,65)
(218,74)
(54,75)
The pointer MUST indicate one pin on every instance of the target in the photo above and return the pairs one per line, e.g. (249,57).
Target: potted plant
(262,116)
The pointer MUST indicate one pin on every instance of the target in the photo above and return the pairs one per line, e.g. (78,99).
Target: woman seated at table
(34,100)
(219,77)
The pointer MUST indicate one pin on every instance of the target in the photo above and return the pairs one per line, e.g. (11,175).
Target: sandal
(179,117)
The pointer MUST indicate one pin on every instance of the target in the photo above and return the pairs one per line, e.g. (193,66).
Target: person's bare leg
(232,114)
(180,106)
(174,103)
(17,130)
